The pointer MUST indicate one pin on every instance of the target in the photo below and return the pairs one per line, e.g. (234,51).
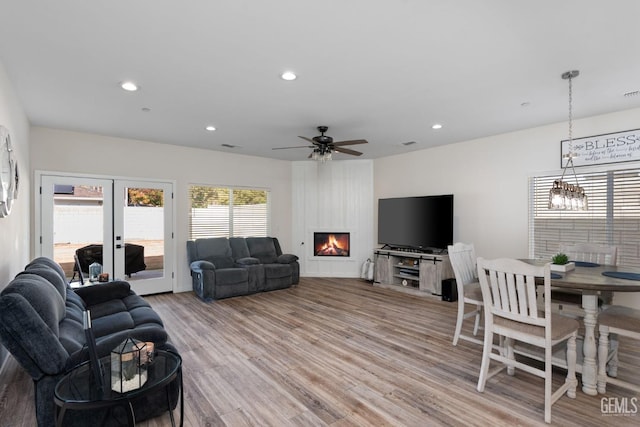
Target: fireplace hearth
(331,244)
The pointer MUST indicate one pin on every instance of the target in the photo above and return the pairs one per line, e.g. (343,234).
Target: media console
(414,272)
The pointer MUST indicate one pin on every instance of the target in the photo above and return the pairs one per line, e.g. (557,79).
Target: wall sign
(606,148)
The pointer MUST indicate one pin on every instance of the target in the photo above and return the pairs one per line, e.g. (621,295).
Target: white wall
(489,180)
(332,196)
(14,229)
(66,151)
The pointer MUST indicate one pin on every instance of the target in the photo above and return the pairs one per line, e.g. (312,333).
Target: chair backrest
(463,261)
(509,291)
(590,252)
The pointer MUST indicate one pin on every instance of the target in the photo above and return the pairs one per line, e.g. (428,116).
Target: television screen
(416,222)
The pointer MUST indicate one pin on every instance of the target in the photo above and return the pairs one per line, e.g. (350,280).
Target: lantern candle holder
(128,366)
(95,269)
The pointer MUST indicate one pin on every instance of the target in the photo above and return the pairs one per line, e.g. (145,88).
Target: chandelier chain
(570,116)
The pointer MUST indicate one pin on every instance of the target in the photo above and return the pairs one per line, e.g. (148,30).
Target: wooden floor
(335,352)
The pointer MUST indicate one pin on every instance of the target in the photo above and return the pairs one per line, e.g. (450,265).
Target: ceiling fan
(324,145)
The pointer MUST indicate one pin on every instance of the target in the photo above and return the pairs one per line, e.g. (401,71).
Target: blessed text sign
(606,148)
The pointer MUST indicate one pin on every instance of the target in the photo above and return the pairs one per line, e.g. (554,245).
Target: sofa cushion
(42,296)
(275,271)
(50,275)
(239,248)
(231,276)
(220,261)
(213,247)
(263,249)
(247,261)
(49,263)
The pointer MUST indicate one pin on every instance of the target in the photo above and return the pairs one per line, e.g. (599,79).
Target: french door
(125,225)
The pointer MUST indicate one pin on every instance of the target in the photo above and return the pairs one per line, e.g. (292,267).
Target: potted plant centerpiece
(560,262)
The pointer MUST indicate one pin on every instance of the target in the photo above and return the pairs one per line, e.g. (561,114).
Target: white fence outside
(83,224)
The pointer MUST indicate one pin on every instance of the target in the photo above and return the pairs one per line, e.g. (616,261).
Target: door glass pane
(144,233)
(78,226)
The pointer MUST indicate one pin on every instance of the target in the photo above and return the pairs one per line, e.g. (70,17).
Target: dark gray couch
(41,325)
(222,268)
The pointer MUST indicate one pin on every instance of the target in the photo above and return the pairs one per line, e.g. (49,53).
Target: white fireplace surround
(335,196)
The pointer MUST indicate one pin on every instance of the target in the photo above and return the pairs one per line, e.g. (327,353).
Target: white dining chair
(511,312)
(463,261)
(591,252)
(568,302)
(622,321)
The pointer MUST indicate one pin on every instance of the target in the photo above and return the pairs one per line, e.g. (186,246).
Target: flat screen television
(422,223)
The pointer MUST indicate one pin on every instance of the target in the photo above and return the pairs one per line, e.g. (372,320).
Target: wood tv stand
(413,272)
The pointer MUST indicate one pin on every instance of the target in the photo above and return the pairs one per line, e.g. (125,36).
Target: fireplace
(331,244)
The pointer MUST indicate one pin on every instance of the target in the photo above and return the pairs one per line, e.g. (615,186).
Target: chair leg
(487,348)
(603,354)
(508,345)
(459,320)
(612,365)
(477,323)
(571,367)
(547,384)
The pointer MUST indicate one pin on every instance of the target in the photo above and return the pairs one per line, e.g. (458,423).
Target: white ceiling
(382,70)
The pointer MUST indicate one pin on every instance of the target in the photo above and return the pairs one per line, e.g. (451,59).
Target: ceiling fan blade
(308,139)
(347,151)
(297,146)
(352,142)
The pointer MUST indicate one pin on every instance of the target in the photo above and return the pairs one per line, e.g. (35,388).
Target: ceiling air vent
(229,145)
(409,143)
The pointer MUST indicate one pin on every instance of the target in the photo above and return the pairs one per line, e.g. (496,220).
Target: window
(228,212)
(613,217)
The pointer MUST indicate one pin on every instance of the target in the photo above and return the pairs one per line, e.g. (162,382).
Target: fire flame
(332,247)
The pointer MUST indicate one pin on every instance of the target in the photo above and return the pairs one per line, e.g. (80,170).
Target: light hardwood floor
(336,352)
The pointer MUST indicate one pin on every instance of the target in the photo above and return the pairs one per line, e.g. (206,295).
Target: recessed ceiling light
(129,86)
(436,126)
(289,75)
(210,128)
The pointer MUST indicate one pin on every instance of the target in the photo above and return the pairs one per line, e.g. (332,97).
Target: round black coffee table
(77,390)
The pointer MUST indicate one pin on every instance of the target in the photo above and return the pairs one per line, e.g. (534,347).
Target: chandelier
(563,195)
(321,153)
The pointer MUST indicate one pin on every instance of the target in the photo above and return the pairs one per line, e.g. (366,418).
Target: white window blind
(227,212)
(613,217)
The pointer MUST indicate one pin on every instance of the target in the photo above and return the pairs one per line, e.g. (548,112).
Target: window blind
(613,217)
(227,212)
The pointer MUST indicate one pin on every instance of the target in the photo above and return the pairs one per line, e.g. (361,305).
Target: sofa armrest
(287,258)
(247,261)
(202,265)
(97,294)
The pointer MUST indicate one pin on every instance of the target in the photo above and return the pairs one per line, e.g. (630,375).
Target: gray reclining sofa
(226,267)
(41,326)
